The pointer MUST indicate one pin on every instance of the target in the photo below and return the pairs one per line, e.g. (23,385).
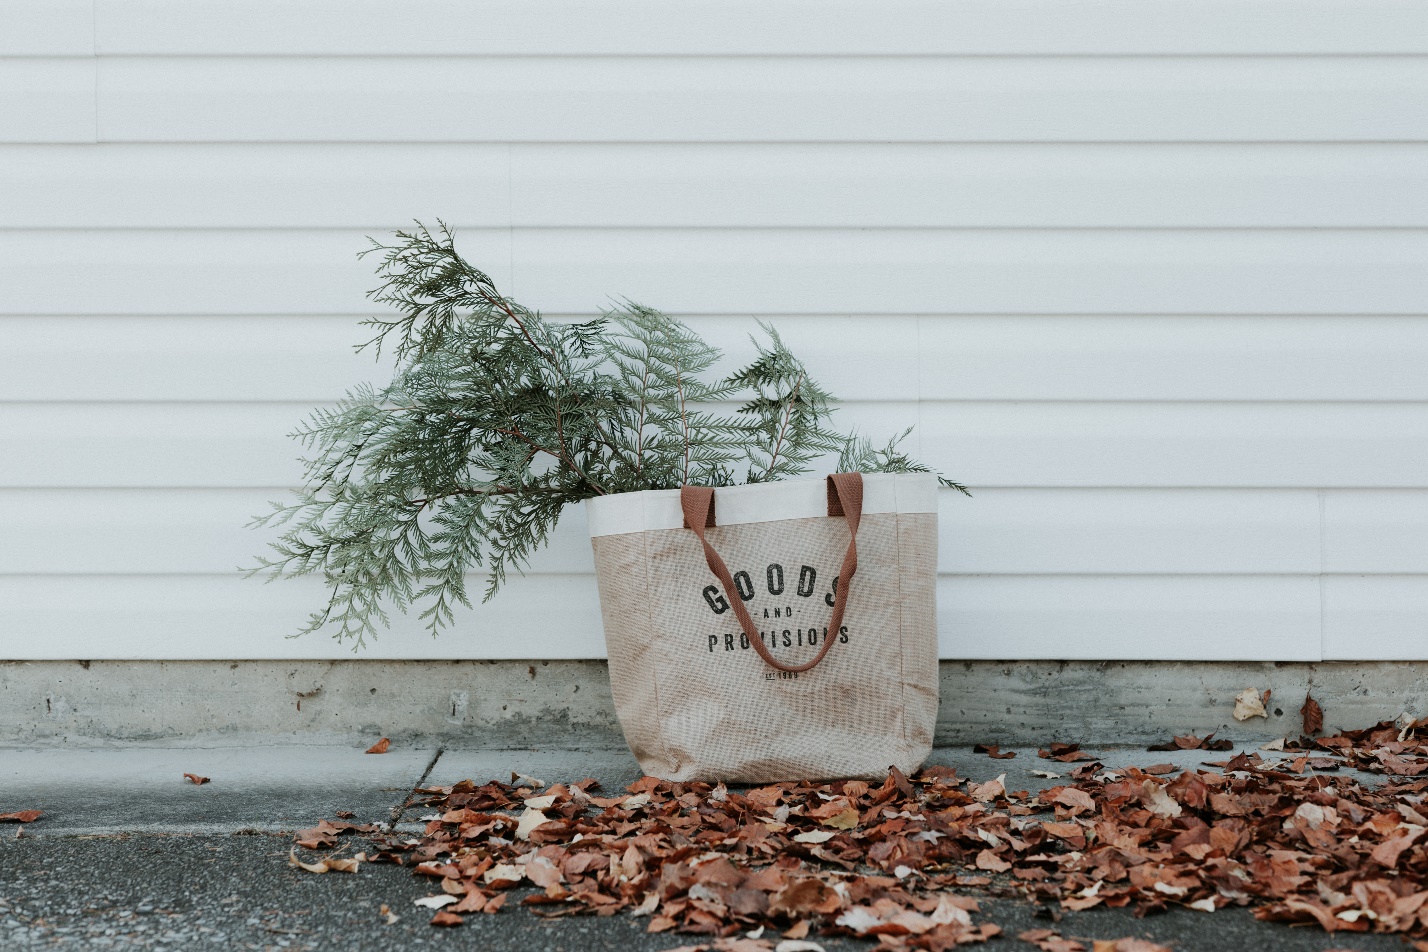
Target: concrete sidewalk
(131,855)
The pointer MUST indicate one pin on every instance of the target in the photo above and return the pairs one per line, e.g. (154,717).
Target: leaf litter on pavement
(902,861)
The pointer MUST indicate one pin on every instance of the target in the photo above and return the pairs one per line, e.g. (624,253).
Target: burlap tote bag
(776,631)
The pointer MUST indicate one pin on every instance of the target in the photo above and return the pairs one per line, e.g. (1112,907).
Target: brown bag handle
(845,498)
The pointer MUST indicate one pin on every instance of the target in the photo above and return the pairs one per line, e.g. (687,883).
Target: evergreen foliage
(496,419)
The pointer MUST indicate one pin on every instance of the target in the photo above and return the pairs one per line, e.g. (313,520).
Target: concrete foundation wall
(533,704)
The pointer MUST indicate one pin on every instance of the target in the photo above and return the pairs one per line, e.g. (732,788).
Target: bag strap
(845,498)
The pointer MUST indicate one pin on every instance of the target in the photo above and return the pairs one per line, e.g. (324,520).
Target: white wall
(1149,274)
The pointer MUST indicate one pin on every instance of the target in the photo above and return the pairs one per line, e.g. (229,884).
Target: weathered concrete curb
(526,704)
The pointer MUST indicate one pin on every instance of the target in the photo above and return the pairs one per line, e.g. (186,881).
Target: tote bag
(774,631)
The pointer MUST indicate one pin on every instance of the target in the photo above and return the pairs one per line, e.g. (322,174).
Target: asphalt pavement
(131,855)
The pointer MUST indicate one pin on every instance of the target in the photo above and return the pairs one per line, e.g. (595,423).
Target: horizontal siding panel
(312,358)
(1092,357)
(1154,619)
(1054,358)
(651,27)
(156,617)
(1170,444)
(986,445)
(1016,532)
(731,99)
(184,359)
(253,186)
(47,28)
(1376,532)
(205,273)
(1370,618)
(994,185)
(721,271)
(47,100)
(979,272)
(1128,532)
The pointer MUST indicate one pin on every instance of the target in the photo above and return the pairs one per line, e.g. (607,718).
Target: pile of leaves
(898,861)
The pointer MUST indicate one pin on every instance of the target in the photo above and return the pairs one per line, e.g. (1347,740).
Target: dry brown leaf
(991,862)
(1048,941)
(815,836)
(529,821)
(21,816)
(1157,801)
(195,779)
(986,792)
(845,820)
(434,902)
(323,865)
(798,930)
(444,918)
(380,747)
(1078,801)
(1312,715)
(994,751)
(386,913)
(1250,703)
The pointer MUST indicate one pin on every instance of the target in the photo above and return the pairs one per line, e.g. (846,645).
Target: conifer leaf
(496,419)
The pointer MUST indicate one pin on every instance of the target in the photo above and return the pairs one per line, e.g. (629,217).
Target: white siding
(1150,275)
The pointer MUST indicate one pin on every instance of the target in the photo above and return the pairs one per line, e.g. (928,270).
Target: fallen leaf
(435,902)
(1191,742)
(1048,941)
(798,945)
(994,751)
(1065,753)
(1159,802)
(21,816)
(529,821)
(845,820)
(386,913)
(860,919)
(986,792)
(1313,716)
(1250,703)
(504,874)
(196,779)
(815,836)
(991,862)
(327,865)
(444,918)
(380,747)
(310,867)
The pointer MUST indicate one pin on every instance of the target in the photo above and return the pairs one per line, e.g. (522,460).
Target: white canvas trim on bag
(762,502)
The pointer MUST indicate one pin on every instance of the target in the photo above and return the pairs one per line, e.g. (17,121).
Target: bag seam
(663,719)
(902,627)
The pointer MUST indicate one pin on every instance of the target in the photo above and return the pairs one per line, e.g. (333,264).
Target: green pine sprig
(496,419)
